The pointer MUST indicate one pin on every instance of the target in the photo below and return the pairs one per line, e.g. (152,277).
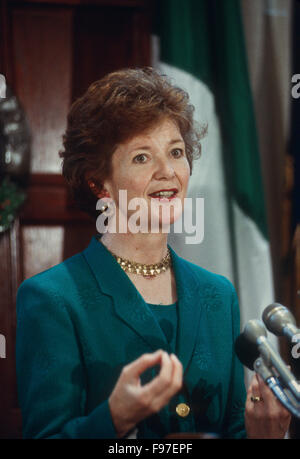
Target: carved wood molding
(49,202)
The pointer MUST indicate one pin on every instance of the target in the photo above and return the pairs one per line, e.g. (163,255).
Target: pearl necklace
(148,271)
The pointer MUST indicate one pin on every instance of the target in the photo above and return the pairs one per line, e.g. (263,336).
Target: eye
(141,158)
(177,152)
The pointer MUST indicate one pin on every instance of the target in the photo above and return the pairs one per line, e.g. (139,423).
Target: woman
(125,337)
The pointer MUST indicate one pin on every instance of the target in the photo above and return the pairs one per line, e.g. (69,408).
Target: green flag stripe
(205,38)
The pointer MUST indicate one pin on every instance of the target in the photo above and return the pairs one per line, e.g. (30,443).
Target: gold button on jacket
(182,409)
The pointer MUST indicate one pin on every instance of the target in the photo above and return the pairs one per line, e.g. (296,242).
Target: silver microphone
(255,332)
(280,321)
(248,353)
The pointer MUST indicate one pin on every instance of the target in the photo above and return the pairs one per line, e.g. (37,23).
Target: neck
(143,248)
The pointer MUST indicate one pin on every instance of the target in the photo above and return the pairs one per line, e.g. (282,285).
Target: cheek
(136,186)
(133,184)
(136,179)
(122,179)
(184,173)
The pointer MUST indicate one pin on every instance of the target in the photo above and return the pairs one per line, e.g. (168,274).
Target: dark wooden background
(50,51)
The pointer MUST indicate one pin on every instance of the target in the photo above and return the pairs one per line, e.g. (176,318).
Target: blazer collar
(132,309)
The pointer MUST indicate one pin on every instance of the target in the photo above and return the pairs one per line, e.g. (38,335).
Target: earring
(95,190)
(101,195)
(104,208)
(92,185)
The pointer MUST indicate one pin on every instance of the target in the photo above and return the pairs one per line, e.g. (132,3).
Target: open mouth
(164,194)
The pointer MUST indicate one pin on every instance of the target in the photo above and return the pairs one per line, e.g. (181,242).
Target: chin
(163,222)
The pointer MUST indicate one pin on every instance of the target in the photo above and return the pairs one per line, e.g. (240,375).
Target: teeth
(164,193)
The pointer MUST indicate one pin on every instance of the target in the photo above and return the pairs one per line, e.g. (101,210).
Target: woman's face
(148,163)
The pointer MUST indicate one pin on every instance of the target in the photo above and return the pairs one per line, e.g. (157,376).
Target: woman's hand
(266,417)
(130,402)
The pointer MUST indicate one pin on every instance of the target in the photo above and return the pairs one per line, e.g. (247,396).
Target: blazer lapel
(132,309)
(128,302)
(189,307)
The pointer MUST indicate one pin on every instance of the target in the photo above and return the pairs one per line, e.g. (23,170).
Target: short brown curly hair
(114,109)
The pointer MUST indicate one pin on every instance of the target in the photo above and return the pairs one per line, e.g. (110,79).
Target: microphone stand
(284,396)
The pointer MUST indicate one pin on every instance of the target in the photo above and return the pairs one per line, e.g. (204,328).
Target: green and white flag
(200,45)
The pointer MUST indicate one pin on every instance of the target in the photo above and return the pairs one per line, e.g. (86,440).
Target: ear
(100,193)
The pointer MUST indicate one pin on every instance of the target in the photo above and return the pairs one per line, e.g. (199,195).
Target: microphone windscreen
(276,317)
(254,329)
(246,350)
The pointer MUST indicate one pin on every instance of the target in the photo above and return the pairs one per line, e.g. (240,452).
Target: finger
(253,382)
(176,380)
(275,410)
(265,391)
(271,402)
(138,366)
(269,398)
(162,380)
(178,371)
(161,392)
(254,390)
(254,408)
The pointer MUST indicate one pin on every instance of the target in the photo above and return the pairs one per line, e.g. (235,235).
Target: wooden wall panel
(42,47)
(107,39)
(42,248)
(10,416)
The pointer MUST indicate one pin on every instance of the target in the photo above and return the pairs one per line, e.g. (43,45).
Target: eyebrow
(147,147)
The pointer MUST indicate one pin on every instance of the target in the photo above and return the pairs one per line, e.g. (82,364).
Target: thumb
(138,366)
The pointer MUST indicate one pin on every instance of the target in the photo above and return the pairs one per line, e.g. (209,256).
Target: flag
(200,45)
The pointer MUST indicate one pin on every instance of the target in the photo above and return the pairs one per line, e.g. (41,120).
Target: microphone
(255,333)
(285,398)
(248,353)
(280,321)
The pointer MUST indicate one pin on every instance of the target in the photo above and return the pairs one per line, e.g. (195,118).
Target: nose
(164,169)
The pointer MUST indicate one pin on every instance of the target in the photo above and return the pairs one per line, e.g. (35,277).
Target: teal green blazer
(81,321)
